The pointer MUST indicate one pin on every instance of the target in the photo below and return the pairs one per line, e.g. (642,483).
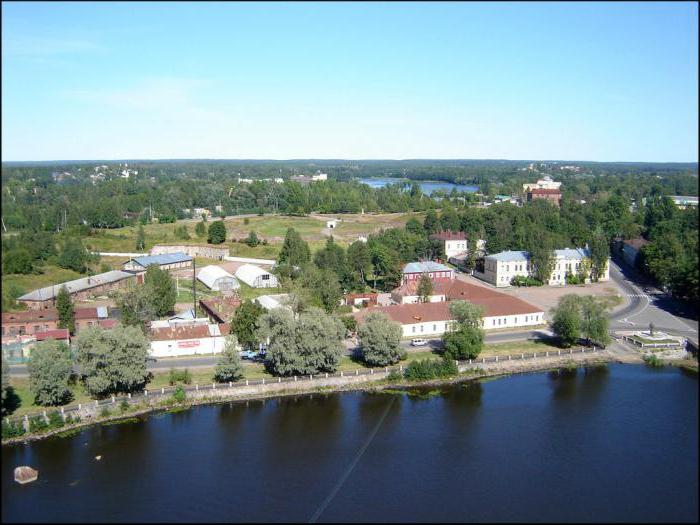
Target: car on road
(419,342)
(249,354)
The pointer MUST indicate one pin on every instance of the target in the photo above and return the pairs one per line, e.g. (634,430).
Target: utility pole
(194,287)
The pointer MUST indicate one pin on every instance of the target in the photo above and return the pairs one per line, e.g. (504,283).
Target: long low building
(165,261)
(193,250)
(500,268)
(434,319)
(83,288)
(188,339)
(32,322)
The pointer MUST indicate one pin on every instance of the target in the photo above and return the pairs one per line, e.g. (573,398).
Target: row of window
(528,318)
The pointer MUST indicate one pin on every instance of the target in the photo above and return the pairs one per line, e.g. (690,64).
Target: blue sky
(585,81)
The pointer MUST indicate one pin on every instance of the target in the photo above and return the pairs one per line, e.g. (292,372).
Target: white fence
(249,260)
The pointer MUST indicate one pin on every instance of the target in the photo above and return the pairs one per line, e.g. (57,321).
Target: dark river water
(600,444)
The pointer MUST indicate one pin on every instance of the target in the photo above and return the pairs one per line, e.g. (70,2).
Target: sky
(542,81)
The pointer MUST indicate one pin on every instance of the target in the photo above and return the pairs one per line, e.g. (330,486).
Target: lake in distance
(616,443)
(427,187)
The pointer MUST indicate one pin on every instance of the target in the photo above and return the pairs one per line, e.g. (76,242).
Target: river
(427,187)
(616,443)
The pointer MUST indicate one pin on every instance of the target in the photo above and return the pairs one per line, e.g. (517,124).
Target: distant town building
(551,195)
(166,261)
(306,179)
(193,250)
(545,183)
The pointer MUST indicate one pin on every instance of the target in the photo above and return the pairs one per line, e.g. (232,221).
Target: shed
(332,223)
(256,277)
(216,278)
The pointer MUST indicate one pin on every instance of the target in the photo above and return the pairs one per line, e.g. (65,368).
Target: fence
(651,345)
(89,410)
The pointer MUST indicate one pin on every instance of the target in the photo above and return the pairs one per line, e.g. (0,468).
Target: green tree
(600,251)
(413,225)
(252,239)
(217,232)
(359,260)
(181,232)
(325,288)
(594,320)
(162,290)
(73,255)
(229,367)
(308,345)
(244,323)
(66,312)
(425,288)
(140,239)
(112,361)
(332,257)
(467,341)
(49,372)
(17,261)
(137,306)
(431,224)
(542,257)
(200,229)
(380,339)
(566,320)
(295,251)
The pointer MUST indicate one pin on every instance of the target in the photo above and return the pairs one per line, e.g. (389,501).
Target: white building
(500,268)
(332,223)
(256,277)
(216,278)
(319,176)
(188,338)
(270,302)
(683,201)
(545,183)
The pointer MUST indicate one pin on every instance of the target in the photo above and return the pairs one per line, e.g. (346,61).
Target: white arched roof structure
(216,278)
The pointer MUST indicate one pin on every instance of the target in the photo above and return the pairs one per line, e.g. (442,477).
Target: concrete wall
(210,252)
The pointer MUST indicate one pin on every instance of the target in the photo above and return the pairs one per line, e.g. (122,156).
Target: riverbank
(330,384)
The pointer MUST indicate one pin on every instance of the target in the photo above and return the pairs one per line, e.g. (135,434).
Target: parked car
(419,342)
(249,354)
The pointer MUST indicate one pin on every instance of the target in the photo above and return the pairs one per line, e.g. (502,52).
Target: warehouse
(256,277)
(82,288)
(188,339)
(165,261)
(216,278)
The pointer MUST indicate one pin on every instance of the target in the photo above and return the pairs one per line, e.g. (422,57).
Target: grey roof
(576,253)
(509,256)
(425,266)
(163,258)
(78,285)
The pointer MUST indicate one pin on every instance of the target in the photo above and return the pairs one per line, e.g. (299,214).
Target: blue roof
(164,258)
(510,256)
(426,266)
(576,253)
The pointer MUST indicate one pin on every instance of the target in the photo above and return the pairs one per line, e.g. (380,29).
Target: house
(82,288)
(32,322)
(554,196)
(166,261)
(256,277)
(434,319)
(193,250)
(216,278)
(270,302)
(306,179)
(499,269)
(454,243)
(188,338)
(60,334)
(436,271)
(220,309)
(359,299)
(631,248)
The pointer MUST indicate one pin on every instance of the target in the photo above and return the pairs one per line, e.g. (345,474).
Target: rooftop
(425,266)
(509,256)
(59,334)
(163,258)
(78,285)
(449,236)
(544,191)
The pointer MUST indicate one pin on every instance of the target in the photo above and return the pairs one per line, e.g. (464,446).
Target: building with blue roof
(436,271)
(165,261)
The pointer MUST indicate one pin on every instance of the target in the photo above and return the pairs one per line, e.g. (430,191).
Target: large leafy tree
(217,232)
(295,251)
(332,257)
(600,251)
(467,340)
(431,224)
(229,367)
(137,306)
(325,288)
(380,339)
(244,323)
(17,261)
(594,320)
(49,372)
(66,312)
(73,255)
(309,344)
(566,320)
(359,261)
(112,361)
(163,293)
(425,288)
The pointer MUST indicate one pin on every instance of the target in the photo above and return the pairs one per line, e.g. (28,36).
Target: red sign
(187,344)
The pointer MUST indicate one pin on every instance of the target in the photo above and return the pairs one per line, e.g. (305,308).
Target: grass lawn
(518,347)
(653,341)
(21,389)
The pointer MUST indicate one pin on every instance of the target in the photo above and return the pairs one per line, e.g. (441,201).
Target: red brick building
(554,196)
(33,322)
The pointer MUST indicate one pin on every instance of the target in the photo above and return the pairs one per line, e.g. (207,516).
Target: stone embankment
(160,399)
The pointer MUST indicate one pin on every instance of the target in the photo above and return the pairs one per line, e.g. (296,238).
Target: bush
(55,419)
(12,429)
(394,376)
(124,406)
(349,322)
(179,394)
(653,361)
(70,419)
(575,279)
(37,424)
(521,280)
(426,369)
(179,376)
(105,412)
(246,221)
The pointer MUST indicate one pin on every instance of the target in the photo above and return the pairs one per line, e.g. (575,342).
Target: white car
(419,342)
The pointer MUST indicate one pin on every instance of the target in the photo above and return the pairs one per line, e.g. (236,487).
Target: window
(499,322)
(414,329)
(434,328)
(46,327)
(516,320)
(89,323)
(266,277)
(21,330)
(493,322)
(13,330)
(421,328)
(36,328)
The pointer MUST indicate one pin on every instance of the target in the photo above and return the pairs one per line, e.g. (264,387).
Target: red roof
(542,191)
(60,334)
(86,313)
(449,236)
(452,289)
(107,323)
(180,332)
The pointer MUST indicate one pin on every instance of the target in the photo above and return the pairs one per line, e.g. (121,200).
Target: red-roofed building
(551,195)
(188,338)
(60,334)
(357,299)
(34,321)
